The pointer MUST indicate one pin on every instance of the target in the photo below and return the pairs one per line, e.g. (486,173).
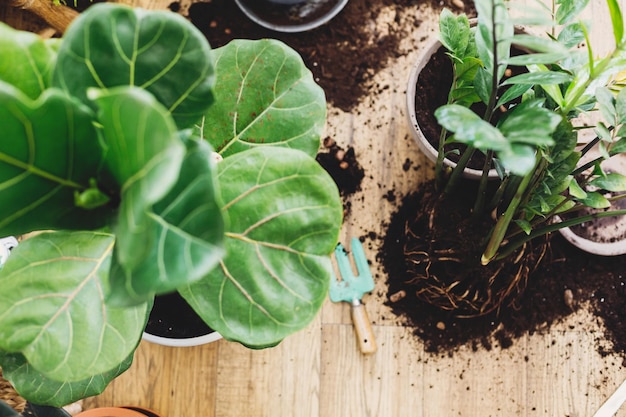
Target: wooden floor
(319,371)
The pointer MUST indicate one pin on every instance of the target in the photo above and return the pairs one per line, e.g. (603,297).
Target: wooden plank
(278,382)
(176,382)
(476,383)
(566,375)
(388,383)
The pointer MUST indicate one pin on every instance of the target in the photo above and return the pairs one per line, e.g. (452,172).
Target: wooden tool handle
(363,328)
(57,16)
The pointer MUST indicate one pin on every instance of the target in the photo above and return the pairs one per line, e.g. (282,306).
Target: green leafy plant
(107,154)
(533,143)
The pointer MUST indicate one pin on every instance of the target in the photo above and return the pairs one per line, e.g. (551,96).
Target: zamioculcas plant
(106,156)
(519,112)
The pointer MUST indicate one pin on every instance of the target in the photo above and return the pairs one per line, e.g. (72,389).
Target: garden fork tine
(350,288)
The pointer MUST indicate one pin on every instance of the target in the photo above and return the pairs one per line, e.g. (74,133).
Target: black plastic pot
(291,15)
(173,322)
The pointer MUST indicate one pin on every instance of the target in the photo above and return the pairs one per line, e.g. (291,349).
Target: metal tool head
(349,287)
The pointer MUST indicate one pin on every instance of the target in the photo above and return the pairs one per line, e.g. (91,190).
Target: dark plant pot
(291,15)
(173,322)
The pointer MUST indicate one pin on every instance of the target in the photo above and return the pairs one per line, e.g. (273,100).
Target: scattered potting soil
(342,165)
(567,279)
(344,55)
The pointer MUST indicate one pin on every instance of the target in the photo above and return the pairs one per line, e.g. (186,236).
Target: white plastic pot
(188,342)
(606,236)
(425,146)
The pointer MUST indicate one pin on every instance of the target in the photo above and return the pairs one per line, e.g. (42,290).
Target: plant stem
(439,166)
(479,205)
(458,170)
(502,225)
(510,247)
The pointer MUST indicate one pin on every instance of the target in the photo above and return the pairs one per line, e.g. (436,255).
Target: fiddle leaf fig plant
(525,122)
(107,166)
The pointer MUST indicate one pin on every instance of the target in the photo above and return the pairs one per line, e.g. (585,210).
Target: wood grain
(319,372)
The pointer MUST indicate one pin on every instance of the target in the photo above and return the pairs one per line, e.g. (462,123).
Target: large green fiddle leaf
(144,158)
(26,60)
(49,152)
(264,94)
(285,214)
(188,230)
(113,45)
(39,389)
(53,311)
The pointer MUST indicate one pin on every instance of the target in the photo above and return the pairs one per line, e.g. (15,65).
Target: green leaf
(518,159)
(49,150)
(613,182)
(542,77)
(606,102)
(576,190)
(524,225)
(537,58)
(530,125)
(483,86)
(569,10)
(454,32)
(571,35)
(512,93)
(469,128)
(144,158)
(188,234)
(285,215)
(595,200)
(603,132)
(264,95)
(113,45)
(39,389)
(52,307)
(620,106)
(26,61)
(617,21)
(619,146)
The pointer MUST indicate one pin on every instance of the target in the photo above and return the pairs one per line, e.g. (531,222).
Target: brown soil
(343,56)
(567,279)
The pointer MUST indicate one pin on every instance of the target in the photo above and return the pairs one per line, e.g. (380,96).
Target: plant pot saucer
(291,17)
(173,322)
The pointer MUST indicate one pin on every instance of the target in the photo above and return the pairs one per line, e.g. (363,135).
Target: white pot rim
(292,28)
(597,248)
(186,342)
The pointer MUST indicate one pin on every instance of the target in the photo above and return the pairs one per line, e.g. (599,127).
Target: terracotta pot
(291,15)
(173,323)
(118,412)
